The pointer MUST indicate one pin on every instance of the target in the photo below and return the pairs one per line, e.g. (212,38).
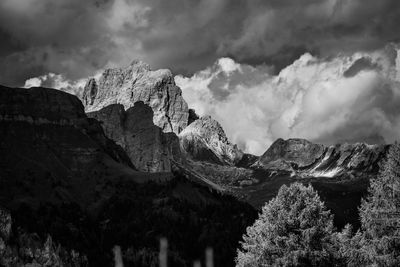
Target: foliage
(135,217)
(293,229)
(378,243)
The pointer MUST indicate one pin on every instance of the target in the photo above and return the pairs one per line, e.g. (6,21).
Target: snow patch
(328,173)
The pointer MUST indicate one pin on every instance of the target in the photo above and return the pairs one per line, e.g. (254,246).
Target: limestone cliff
(138,82)
(148,147)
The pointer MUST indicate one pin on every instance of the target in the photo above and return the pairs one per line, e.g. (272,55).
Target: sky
(325,70)
(76,38)
(347,98)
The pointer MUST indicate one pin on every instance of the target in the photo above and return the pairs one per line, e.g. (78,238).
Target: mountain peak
(205,139)
(139,65)
(138,82)
(300,151)
(207,127)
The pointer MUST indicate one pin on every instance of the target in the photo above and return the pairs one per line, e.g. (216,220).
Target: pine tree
(350,247)
(380,215)
(293,229)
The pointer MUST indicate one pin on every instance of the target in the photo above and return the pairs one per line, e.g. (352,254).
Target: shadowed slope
(60,175)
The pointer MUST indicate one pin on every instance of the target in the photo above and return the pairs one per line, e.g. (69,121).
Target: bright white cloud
(228,65)
(57,81)
(346,98)
(33,82)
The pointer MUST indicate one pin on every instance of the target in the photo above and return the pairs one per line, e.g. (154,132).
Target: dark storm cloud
(76,38)
(361,64)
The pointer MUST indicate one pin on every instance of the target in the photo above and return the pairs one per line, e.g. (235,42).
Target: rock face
(148,147)
(50,147)
(205,140)
(40,107)
(293,151)
(138,82)
(308,159)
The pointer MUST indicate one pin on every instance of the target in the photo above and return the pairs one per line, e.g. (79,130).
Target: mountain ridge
(205,150)
(305,158)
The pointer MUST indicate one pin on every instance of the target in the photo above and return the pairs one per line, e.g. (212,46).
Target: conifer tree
(380,215)
(293,229)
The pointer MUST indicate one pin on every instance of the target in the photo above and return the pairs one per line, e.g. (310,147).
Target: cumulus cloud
(76,37)
(57,81)
(348,98)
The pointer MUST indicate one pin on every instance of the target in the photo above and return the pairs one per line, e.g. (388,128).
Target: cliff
(138,82)
(148,147)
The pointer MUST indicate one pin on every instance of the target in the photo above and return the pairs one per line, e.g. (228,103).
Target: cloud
(57,81)
(76,38)
(349,98)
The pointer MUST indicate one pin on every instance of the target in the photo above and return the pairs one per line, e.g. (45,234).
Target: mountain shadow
(148,147)
(61,176)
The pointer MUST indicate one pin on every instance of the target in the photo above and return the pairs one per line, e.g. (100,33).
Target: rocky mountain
(211,155)
(306,159)
(148,147)
(340,172)
(205,140)
(141,110)
(150,132)
(138,82)
(52,150)
(60,176)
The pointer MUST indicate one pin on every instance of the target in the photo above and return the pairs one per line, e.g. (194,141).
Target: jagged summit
(137,82)
(308,159)
(207,126)
(205,139)
(299,151)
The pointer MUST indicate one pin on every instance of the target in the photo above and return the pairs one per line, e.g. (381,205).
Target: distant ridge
(305,158)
